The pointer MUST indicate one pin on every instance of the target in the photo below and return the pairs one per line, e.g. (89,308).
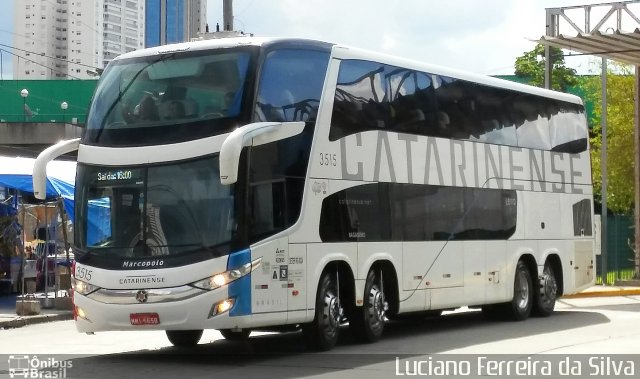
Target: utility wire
(47,56)
(33,39)
(40,64)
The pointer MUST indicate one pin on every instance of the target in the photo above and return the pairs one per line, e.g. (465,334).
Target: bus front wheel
(184,338)
(368,321)
(322,333)
(233,335)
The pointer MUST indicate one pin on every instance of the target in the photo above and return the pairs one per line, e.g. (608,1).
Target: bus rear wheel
(235,335)
(184,338)
(548,293)
(367,322)
(520,307)
(322,333)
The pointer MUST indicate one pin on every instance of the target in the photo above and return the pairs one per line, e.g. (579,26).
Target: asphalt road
(580,326)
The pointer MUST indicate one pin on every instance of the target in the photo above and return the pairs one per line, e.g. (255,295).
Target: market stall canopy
(15,173)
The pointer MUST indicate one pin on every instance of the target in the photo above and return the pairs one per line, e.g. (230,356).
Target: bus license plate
(144,319)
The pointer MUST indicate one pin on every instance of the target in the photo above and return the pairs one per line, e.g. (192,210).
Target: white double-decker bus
(248,184)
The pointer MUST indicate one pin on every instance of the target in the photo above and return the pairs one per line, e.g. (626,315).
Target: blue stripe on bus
(240,289)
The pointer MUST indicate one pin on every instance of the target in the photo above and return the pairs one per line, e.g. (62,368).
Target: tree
(531,67)
(620,162)
(620,116)
(620,149)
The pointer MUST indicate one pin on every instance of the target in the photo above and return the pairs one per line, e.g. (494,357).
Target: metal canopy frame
(608,40)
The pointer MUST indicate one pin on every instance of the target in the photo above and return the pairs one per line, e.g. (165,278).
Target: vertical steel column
(603,171)
(163,22)
(636,144)
(547,51)
(227,15)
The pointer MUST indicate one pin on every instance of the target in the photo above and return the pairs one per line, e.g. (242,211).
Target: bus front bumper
(202,311)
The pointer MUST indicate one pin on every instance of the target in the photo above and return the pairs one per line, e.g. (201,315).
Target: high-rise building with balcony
(172,21)
(41,33)
(64,38)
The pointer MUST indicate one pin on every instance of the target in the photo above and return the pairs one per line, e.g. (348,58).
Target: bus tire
(322,334)
(368,321)
(548,293)
(520,306)
(184,338)
(233,335)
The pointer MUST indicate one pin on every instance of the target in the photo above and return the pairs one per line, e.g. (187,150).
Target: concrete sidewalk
(602,291)
(8,318)
(11,320)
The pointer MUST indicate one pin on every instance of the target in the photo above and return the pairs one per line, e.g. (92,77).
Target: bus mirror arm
(255,134)
(40,165)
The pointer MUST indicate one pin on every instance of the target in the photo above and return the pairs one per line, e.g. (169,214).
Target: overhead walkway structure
(52,110)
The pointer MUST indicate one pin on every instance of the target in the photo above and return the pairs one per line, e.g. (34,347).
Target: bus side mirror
(255,134)
(39,175)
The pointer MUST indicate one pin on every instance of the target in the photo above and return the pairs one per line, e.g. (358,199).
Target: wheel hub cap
(523,291)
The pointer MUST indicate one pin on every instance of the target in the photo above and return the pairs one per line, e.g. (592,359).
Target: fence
(44,100)
(620,256)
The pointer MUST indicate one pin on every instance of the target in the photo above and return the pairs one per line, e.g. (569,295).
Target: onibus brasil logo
(25,366)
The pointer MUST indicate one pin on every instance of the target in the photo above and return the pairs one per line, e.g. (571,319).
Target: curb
(19,321)
(605,293)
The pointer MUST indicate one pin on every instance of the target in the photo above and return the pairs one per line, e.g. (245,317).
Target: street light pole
(24,93)
(64,107)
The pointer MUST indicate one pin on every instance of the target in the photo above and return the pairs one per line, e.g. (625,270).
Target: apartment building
(40,28)
(68,37)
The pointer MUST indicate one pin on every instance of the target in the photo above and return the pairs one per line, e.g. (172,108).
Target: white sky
(482,36)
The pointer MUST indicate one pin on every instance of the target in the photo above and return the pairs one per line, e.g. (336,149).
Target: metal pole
(603,171)
(636,144)
(46,257)
(1,67)
(227,15)
(24,244)
(547,52)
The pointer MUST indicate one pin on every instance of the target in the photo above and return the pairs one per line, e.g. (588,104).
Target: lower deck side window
(411,212)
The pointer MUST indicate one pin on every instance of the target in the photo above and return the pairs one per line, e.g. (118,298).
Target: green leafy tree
(531,67)
(620,103)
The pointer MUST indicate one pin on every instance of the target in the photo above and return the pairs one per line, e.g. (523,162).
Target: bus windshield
(158,211)
(169,98)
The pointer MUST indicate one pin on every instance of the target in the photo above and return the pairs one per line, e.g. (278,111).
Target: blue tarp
(55,188)
(15,173)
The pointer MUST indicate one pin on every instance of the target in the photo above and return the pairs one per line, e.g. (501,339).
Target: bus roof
(347,52)
(196,46)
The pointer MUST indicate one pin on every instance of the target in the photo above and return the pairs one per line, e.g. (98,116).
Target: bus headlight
(224,278)
(83,288)
(221,307)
